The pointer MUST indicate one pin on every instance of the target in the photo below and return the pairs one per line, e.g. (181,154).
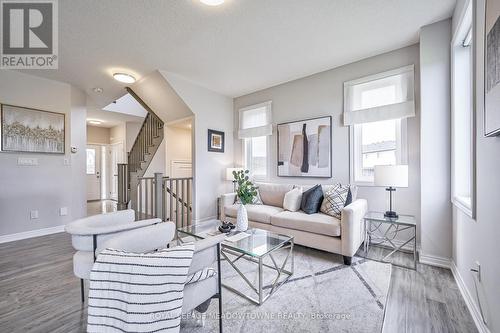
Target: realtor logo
(29,34)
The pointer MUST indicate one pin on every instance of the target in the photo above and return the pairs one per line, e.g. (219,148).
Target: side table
(382,231)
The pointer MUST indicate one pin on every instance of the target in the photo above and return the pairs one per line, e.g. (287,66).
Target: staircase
(144,148)
(154,196)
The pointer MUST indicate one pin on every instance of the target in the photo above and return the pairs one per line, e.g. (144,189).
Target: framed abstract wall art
(492,69)
(305,148)
(32,131)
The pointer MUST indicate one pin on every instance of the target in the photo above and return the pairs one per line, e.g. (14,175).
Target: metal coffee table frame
(260,295)
(375,236)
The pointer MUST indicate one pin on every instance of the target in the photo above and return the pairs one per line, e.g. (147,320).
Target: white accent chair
(197,295)
(88,233)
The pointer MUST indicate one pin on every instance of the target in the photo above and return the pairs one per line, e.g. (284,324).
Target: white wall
(477,240)
(131,131)
(178,145)
(117,134)
(322,95)
(211,111)
(158,162)
(435,144)
(158,94)
(59,180)
(78,160)
(97,134)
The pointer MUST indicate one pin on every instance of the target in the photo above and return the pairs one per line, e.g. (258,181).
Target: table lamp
(391,176)
(230,177)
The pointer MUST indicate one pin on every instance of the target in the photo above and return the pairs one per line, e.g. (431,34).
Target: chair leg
(220,286)
(220,312)
(82,290)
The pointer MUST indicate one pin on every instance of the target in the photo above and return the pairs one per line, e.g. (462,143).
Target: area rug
(323,295)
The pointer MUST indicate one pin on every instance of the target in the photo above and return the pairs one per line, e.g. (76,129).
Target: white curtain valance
(255,121)
(383,96)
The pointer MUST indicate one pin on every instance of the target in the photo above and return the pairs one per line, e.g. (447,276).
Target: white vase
(242,218)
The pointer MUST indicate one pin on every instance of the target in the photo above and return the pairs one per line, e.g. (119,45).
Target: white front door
(93,172)
(117,155)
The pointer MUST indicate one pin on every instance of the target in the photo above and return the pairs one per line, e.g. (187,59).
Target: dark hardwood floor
(39,293)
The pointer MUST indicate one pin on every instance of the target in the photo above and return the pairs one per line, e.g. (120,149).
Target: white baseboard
(469,300)
(31,234)
(435,260)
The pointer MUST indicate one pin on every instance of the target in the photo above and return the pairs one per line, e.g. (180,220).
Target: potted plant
(246,193)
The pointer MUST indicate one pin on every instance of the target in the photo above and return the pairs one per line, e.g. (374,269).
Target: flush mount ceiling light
(97,90)
(125,78)
(212,2)
(94,122)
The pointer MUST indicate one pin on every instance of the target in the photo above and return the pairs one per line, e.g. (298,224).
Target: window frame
(245,155)
(268,106)
(354,155)
(86,161)
(466,23)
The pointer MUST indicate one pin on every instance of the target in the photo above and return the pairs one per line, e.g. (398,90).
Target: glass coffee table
(253,245)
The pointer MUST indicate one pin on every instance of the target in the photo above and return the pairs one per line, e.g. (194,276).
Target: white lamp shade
(229,173)
(391,175)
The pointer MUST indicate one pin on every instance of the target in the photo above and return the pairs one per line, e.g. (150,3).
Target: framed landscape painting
(492,69)
(31,130)
(305,148)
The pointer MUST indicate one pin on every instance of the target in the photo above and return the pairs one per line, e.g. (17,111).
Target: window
(255,129)
(90,161)
(462,114)
(377,143)
(376,108)
(256,156)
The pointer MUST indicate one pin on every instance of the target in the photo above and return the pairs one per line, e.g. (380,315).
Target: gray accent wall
(58,180)
(435,144)
(478,239)
(322,95)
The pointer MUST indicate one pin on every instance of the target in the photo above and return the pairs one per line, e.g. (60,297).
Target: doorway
(116,155)
(94,172)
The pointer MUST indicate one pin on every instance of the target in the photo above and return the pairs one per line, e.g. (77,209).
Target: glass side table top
(257,244)
(401,219)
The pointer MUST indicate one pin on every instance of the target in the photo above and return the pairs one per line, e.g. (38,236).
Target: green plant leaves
(246,189)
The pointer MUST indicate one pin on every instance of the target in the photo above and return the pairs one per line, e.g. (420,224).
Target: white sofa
(319,231)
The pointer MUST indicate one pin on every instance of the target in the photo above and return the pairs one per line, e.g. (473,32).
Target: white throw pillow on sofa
(292,199)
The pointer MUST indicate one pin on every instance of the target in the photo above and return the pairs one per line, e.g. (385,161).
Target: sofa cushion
(256,213)
(327,187)
(335,200)
(293,199)
(273,194)
(318,223)
(311,200)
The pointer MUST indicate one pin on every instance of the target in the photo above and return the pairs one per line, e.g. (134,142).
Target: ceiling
(236,48)
(110,119)
(127,105)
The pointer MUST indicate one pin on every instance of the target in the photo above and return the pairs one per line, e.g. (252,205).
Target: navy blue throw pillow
(311,200)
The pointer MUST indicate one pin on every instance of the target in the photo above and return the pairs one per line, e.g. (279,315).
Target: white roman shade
(383,96)
(255,121)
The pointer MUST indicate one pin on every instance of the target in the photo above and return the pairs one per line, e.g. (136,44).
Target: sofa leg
(82,290)
(347,260)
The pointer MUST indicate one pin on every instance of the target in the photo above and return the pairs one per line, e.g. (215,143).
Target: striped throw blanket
(138,292)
